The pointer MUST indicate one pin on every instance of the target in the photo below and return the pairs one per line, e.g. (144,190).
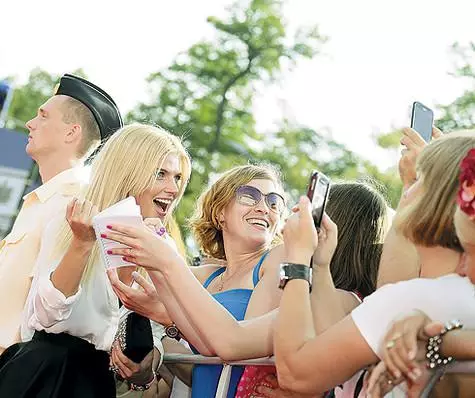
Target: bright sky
(381,55)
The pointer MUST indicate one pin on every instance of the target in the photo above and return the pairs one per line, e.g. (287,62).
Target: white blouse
(442,299)
(91,314)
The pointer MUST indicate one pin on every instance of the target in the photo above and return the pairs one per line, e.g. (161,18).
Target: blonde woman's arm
(56,286)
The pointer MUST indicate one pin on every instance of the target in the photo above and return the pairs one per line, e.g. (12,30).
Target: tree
(460,114)
(207,95)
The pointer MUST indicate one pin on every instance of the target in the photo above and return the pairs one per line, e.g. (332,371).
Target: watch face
(172,331)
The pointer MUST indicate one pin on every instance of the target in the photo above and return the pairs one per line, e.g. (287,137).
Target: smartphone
(422,119)
(318,190)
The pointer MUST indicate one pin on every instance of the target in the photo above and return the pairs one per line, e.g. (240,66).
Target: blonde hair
(205,221)
(127,166)
(428,220)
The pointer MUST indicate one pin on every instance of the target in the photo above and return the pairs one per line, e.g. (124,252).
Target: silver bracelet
(143,387)
(434,358)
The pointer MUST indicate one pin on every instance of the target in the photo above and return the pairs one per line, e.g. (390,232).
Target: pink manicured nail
(124,258)
(103,236)
(109,251)
(109,227)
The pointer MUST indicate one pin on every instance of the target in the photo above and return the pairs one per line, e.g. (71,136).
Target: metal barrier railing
(223,385)
(202,360)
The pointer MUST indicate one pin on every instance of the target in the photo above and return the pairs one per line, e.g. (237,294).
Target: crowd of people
(375,302)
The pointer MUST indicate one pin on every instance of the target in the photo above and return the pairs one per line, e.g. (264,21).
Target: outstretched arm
(307,363)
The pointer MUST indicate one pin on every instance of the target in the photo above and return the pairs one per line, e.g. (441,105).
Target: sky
(380,57)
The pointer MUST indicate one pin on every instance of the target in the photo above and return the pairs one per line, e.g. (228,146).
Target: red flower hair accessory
(466,193)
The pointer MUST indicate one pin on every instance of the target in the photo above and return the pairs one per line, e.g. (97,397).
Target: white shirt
(91,314)
(20,248)
(442,299)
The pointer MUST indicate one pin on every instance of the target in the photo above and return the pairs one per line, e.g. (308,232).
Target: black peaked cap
(100,103)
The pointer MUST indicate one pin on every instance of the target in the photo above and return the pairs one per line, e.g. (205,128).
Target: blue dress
(206,377)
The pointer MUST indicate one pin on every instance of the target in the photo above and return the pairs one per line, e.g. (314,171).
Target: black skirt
(55,366)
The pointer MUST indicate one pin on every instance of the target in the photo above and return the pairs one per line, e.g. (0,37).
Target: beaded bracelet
(143,387)
(434,358)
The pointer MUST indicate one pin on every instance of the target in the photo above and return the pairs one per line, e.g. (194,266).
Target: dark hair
(360,212)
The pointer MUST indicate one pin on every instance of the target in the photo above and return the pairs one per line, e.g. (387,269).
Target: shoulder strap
(210,279)
(359,385)
(257,269)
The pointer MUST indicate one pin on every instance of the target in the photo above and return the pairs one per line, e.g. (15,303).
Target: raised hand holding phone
(317,193)
(422,119)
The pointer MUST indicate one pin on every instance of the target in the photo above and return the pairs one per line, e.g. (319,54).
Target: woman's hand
(414,144)
(146,248)
(137,373)
(300,235)
(269,388)
(79,214)
(327,241)
(143,301)
(380,382)
(401,351)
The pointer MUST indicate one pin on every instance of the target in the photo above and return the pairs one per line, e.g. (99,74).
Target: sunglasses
(251,196)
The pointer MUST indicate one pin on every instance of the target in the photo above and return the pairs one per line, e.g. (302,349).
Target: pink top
(252,376)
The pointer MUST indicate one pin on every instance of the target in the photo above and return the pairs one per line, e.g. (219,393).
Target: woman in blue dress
(236,224)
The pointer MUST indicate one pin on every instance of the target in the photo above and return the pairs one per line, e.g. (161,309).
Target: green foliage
(460,114)
(389,140)
(206,95)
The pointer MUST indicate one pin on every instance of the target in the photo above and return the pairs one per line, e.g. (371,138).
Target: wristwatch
(289,271)
(172,331)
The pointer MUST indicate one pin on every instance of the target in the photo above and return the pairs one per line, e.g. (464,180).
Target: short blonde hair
(429,220)
(127,166)
(75,111)
(205,221)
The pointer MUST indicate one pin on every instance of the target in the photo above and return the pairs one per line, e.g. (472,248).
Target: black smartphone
(318,190)
(422,119)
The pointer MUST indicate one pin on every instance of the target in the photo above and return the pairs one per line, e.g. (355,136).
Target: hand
(379,382)
(300,235)
(145,247)
(400,345)
(143,301)
(269,388)
(327,242)
(414,144)
(137,373)
(79,214)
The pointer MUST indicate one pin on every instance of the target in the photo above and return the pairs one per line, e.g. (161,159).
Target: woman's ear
(220,220)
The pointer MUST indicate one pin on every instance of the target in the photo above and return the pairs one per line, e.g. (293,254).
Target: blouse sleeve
(46,305)
(375,315)
(158,332)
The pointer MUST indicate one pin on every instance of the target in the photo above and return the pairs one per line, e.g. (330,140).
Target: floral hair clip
(466,193)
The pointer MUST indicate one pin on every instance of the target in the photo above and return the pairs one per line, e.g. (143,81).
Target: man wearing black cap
(68,127)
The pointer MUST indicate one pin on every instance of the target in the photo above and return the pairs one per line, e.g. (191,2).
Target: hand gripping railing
(223,384)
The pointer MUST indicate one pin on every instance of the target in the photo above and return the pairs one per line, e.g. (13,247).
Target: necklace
(222,280)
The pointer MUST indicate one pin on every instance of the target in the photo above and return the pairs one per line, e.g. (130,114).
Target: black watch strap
(290,271)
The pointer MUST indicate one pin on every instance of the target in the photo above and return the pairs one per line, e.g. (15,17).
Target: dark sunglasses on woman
(250,196)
